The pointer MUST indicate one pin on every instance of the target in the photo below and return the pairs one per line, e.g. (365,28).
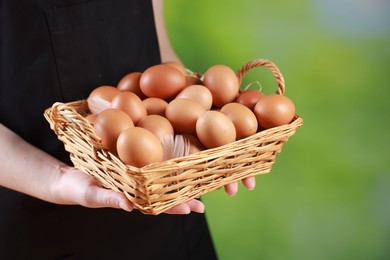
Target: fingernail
(124,206)
(234,192)
(252,185)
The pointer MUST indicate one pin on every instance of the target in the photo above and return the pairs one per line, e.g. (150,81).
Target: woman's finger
(98,197)
(196,206)
(231,188)
(193,205)
(249,182)
(181,209)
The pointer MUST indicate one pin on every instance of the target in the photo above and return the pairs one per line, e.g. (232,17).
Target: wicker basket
(157,187)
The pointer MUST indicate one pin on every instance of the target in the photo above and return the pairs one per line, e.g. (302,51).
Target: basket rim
(294,124)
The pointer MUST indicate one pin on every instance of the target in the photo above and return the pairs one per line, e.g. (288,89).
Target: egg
(198,93)
(223,84)
(249,98)
(162,81)
(139,147)
(155,106)
(244,120)
(91,118)
(100,98)
(131,104)
(215,129)
(183,114)
(194,144)
(130,82)
(274,110)
(109,124)
(193,80)
(176,65)
(158,125)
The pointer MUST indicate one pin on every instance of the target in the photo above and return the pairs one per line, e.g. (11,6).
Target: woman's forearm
(166,51)
(25,168)
(29,170)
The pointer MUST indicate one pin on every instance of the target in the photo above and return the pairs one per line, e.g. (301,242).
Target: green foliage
(327,196)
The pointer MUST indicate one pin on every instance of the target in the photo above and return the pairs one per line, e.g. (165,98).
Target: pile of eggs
(164,112)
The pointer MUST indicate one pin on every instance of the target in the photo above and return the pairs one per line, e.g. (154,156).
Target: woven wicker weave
(157,187)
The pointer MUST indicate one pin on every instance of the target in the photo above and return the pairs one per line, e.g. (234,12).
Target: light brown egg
(130,82)
(183,114)
(100,98)
(162,81)
(214,129)
(198,93)
(158,125)
(193,80)
(131,104)
(194,143)
(274,110)
(176,65)
(243,118)
(109,124)
(155,106)
(223,84)
(249,98)
(139,147)
(91,118)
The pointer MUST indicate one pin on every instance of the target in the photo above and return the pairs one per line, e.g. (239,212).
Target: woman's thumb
(112,199)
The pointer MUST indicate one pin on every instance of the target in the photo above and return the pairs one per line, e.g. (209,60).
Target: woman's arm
(166,50)
(29,170)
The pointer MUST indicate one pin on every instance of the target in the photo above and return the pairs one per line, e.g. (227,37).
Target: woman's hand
(193,205)
(232,188)
(75,187)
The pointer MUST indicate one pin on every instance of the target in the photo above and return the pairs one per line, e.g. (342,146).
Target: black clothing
(59,50)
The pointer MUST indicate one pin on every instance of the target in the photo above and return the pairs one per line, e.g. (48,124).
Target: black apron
(60,50)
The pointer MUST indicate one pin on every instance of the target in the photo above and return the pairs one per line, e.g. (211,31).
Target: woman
(59,50)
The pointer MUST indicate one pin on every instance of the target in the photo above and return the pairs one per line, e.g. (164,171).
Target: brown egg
(193,80)
(158,125)
(162,81)
(249,98)
(130,82)
(223,84)
(139,147)
(109,124)
(198,93)
(100,98)
(274,110)
(194,143)
(131,104)
(183,114)
(243,118)
(214,129)
(91,118)
(155,106)
(176,65)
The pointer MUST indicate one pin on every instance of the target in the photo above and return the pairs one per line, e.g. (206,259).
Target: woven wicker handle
(263,63)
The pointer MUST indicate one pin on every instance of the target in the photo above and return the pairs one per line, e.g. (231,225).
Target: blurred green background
(328,194)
